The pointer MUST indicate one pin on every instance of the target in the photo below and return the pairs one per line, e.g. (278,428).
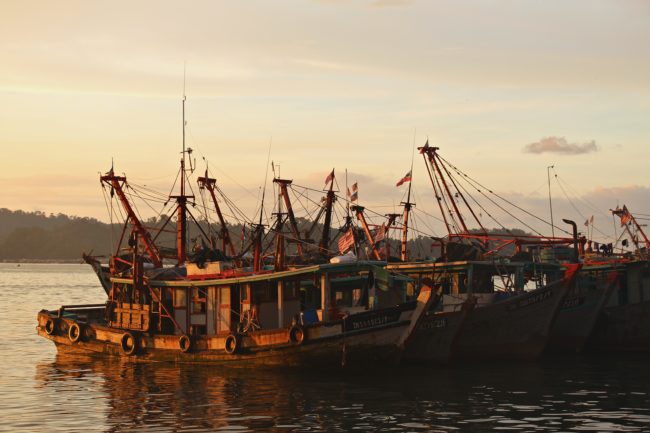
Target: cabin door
(223,321)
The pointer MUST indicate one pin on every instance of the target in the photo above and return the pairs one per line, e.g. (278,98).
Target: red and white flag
(406,178)
(346,241)
(329,178)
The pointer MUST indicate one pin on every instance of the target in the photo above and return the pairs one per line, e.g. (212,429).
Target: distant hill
(37,236)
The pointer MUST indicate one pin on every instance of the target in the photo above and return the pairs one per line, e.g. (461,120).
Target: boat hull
(435,338)
(371,338)
(516,328)
(578,314)
(624,328)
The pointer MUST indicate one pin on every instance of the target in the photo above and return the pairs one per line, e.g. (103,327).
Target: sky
(504,88)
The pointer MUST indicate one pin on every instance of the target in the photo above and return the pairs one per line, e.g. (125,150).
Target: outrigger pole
(626,218)
(283,183)
(209,184)
(116,183)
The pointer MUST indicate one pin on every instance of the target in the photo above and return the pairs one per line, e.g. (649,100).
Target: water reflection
(549,396)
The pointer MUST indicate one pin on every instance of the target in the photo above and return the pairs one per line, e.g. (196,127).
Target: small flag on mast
(354,194)
(406,178)
(330,177)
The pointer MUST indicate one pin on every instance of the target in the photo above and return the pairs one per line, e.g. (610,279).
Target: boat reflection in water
(127,396)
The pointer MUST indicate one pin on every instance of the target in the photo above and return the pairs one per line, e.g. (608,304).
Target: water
(43,391)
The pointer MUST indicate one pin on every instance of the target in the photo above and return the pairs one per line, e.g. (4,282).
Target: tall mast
(407,208)
(433,158)
(181,223)
(325,237)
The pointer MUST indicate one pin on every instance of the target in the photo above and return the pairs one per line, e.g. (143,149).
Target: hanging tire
(297,334)
(185,343)
(74,332)
(129,343)
(231,345)
(50,326)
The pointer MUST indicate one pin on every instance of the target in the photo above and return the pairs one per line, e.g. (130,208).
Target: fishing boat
(257,319)
(215,306)
(492,306)
(582,305)
(624,324)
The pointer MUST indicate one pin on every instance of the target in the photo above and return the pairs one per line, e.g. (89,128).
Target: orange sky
(333,84)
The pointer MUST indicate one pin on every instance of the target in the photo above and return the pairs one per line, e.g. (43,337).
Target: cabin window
(198,300)
(356,296)
(180,298)
(338,298)
(291,291)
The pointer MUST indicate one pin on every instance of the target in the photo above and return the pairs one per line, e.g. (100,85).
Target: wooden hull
(371,338)
(578,314)
(624,328)
(516,328)
(435,338)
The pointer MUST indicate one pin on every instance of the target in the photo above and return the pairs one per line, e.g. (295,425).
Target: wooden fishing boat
(491,323)
(262,319)
(624,324)
(581,308)
(217,306)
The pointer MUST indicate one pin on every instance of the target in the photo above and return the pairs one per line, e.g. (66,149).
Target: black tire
(74,332)
(129,343)
(297,334)
(50,326)
(231,345)
(185,343)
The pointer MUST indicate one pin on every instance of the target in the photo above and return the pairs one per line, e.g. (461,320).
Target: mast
(433,157)
(325,237)
(181,200)
(209,184)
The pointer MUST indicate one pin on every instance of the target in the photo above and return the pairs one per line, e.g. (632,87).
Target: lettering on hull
(370,320)
(435,323)
(537,298)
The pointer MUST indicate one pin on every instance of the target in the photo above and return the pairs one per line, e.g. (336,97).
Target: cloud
(559,145)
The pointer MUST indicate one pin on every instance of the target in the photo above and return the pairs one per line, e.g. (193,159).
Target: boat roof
(326,268)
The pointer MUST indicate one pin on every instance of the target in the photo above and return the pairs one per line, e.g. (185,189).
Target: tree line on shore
(36,236)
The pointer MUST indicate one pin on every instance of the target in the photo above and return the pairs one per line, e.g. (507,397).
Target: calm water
(43,391)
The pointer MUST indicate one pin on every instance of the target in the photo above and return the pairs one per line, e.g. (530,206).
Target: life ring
(231,345)
(297,334)
(74,332)
(129,343)
(50,326)
(184,343)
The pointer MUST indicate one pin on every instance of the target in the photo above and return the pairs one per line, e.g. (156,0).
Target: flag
(587,223)
(625,216)
(406,178)
(425,147)
(346,241)
(354,195)
(330,177)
